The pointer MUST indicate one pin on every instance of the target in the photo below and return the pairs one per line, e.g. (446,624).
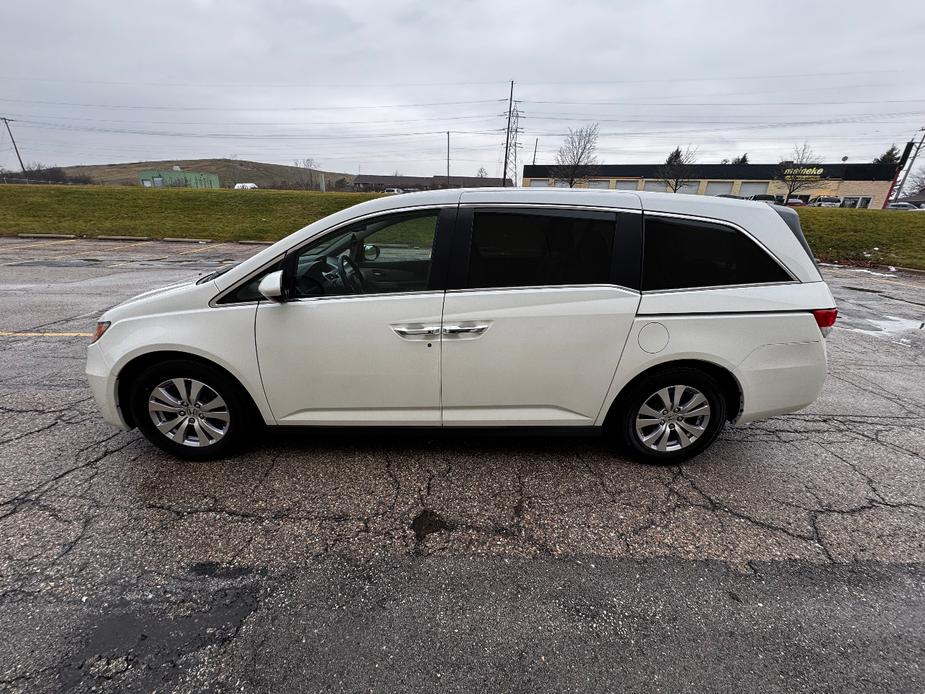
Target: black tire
(623,425)
(238,408)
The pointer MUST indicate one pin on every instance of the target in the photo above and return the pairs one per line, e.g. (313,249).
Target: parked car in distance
(901,206)
(393,191)
(654,319)
(245,186)
(825,201)
(795,202)
(769,199)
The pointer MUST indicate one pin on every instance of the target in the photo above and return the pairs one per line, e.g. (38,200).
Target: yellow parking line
(119,247)
(139,260)
(36,245)
(45,334)
(207,247)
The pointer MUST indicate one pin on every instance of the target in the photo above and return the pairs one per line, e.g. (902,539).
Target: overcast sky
(374,86)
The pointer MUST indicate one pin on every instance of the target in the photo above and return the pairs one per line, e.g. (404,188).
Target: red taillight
(825,318)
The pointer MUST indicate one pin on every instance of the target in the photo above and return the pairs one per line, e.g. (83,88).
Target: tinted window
(521,249)
(679,253)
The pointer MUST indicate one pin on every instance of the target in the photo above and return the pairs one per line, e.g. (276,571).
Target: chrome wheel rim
(672,418)
(189,412)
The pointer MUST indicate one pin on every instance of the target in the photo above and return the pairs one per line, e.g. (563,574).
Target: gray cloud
(95,82)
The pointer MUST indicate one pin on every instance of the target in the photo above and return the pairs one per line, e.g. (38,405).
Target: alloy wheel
(672,418)
(189,412)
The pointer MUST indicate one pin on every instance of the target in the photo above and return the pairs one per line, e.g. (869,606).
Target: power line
(246,108)
(721,103)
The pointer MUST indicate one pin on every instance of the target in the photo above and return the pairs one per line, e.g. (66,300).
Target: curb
(250,242)
(47,236)
(177,239)
(119,238)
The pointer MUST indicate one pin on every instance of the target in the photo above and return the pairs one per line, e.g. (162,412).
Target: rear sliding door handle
(476,329)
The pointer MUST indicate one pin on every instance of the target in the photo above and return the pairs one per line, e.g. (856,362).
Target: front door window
(385,255)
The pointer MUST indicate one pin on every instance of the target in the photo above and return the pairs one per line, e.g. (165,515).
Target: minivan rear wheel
(671,415)
(189,409)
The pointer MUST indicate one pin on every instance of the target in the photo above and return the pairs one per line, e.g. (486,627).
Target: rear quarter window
(682,254)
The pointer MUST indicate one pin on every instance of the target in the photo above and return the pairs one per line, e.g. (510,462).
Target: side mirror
(271,286)
(370,252)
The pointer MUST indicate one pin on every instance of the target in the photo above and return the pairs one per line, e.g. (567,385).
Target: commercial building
(376,184)
(859,185)
(177,178)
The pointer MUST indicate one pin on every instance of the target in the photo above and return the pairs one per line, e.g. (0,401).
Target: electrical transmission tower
(510,143)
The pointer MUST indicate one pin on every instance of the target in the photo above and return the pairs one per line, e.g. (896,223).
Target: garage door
(749,188)
(719,188)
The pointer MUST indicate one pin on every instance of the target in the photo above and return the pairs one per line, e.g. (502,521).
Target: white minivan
(651,317)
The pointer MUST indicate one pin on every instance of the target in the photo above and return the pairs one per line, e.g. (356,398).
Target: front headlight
(101,327)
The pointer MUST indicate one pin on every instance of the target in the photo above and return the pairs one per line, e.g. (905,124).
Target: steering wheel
(350,275)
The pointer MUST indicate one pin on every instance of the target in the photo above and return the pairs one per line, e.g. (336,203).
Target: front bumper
(103,386)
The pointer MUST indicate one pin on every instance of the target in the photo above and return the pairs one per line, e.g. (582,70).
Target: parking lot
(788,557)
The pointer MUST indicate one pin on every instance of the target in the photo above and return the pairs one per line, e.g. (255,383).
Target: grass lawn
(883,237)
(886,237)
(265,215)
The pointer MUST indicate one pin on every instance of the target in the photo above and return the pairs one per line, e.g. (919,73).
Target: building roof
(758,172)
(425,181)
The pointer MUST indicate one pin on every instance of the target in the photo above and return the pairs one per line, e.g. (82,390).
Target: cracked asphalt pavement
(789,557)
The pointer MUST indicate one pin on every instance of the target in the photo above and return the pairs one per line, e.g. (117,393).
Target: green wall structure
(152,178)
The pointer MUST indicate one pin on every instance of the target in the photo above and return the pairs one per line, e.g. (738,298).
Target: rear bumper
(781,378)
(103,386)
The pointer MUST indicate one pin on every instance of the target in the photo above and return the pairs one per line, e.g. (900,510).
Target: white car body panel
(771,297)
(545,358)
(548,356)
(224,336)
(339,361)
(726,341)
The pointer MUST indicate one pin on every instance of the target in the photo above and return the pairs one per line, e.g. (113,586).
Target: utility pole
(6,122)
(507,139)
(535,145)
(448,159)
(909,167)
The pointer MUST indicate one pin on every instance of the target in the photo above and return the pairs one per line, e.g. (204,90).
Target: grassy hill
(230,171)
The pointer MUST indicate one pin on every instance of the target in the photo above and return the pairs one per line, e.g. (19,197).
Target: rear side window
(681,254)
(523,249)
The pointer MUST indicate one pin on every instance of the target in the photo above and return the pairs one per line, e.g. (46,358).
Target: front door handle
(476,329)
(411,332)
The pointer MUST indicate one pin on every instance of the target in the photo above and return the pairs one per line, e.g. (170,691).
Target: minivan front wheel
(189,409)
(671,415)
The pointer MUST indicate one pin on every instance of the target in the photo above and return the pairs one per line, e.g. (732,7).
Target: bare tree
(678,169)
(575,160)
(915,183)
(482,172)
(801,172)
(308,164)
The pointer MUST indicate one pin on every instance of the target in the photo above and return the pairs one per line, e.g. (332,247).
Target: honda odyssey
(653,318)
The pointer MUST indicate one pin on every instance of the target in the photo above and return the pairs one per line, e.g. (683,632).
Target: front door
(536,324)
(358,343)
